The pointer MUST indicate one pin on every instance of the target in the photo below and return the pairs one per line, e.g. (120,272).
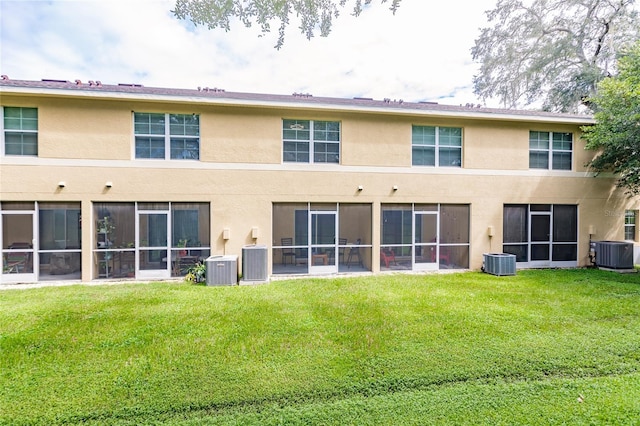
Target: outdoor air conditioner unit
(222,270)
(614,254)
(499,263)
(254,263)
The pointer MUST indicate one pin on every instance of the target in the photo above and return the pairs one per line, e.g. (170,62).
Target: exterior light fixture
(108,184)
(62,184)
(360,187)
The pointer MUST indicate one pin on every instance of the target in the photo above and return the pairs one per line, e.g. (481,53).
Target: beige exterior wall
(87,142)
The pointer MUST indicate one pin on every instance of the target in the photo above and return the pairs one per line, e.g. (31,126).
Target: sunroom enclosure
(149,240)
(541,235)
(40,241)
(322,238)
(422,237)
(313,238)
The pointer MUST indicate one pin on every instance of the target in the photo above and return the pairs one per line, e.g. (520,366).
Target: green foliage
(463,348)
(554,51)
(196,273)
(314,14)
(616,133)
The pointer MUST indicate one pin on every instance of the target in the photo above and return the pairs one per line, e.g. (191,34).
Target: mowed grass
(542,347)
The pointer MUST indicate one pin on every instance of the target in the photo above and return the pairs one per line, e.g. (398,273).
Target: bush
(196,273)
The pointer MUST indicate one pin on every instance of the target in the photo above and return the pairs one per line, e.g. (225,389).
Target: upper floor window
(630,224)
(431,146)
(550,150)
(308,141)
(167,136)
(20,128)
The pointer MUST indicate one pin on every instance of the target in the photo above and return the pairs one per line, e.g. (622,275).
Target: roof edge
(295,101)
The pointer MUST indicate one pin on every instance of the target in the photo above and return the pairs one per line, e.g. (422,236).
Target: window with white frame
(167,136)
(309,141)
(441,146)
(550,150)
(20,130)
(630,224)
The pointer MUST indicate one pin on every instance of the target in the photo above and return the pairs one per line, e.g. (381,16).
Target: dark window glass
(565,223)
(515,224)
(521,251)
(565,252)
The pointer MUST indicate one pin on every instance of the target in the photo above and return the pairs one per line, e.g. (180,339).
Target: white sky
(420,54)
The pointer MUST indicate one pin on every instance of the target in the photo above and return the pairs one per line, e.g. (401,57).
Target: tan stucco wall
(500,150)
(89,142)
(373,141)
(241,199)
(234,137)
(103,129)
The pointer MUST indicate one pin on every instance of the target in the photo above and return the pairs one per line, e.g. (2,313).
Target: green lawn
(542,347)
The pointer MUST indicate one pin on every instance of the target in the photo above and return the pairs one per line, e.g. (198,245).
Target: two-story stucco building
(113,181)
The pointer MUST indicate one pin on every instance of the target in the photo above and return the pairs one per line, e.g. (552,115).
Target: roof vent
(302,95)
(129,85)
(4,77)
(50,80)
(362,99)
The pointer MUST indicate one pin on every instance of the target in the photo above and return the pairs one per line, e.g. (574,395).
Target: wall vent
(254,263)
(614,254)
(499,263)
(222,270)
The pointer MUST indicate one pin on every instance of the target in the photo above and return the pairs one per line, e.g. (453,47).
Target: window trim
(167,136)
(311,142)
(550,150)
(4,130)
(632,226)
(437,146)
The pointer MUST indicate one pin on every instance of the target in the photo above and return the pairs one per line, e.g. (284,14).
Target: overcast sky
(422,53)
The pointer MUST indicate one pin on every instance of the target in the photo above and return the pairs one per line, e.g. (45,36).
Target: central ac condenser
(254,263)
(222,270)
(614,254)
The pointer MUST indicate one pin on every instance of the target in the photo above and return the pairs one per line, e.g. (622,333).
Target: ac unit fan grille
(254,263)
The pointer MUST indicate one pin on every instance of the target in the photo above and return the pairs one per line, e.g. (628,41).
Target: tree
(617,130)
(554,51)
(313,14)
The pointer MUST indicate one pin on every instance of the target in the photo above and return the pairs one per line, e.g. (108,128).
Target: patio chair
(11,267)
(354,253)
(342,243)
(387,256)
(288,253)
